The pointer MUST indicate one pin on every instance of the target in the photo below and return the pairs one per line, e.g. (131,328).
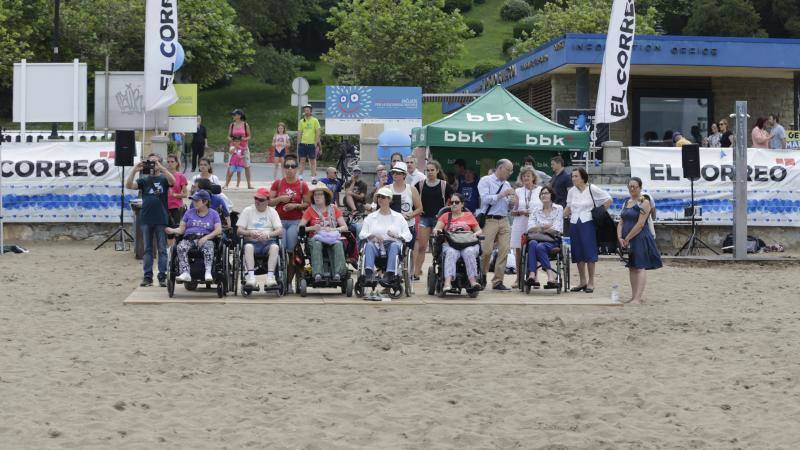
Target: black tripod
(694,241)
(120,246)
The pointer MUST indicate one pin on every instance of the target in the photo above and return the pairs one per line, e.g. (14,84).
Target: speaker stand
(694,241)
(122,245)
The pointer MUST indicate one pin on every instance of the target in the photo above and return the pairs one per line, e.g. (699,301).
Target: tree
(24,34)
(577,16)
(215,45)
(780,18)
(273,21)
(395,42)
(724,18)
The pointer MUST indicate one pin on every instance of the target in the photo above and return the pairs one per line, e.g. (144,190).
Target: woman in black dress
(634,234)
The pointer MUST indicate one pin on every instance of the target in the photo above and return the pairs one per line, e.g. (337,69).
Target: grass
(488,47)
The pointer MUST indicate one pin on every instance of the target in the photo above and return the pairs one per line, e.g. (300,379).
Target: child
(280,142)
(236,165)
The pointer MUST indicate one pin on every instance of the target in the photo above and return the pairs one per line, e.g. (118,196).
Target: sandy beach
(710,362)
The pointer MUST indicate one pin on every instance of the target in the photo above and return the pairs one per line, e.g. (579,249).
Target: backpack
(754,244)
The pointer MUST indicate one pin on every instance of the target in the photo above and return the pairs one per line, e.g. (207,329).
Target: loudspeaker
(124,148)
(691,161)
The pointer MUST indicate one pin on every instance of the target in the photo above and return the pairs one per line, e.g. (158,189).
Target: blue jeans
(372,249)
(290,234)
(161,243)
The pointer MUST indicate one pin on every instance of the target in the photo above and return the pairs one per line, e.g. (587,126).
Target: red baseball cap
(262,193)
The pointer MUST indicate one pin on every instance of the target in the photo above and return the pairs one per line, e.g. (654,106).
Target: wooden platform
(155,296)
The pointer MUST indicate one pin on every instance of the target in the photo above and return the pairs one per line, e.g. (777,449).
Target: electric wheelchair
(460,282)
(261,268)
(304,277)
(221,268)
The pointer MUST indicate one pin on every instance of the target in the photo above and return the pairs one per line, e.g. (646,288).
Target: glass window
(659,117)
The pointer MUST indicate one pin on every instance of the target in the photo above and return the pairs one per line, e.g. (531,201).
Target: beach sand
(710,362)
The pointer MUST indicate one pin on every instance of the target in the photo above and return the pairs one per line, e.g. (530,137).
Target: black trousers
(197,153)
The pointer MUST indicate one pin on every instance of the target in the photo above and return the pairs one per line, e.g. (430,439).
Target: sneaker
(162,283)
(317,278)
(183,278)
(271,281)
(146,282)
(209,278)
(501,287)
(250,280)
(388,279)
(337,278)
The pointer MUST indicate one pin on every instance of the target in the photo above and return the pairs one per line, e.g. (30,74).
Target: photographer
(154,184)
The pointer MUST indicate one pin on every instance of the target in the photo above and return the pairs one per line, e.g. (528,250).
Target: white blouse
(580,203)
(528,199)
(555,218)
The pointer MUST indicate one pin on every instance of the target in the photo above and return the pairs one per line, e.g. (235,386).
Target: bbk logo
(462,136)
(553,140)
(489,117)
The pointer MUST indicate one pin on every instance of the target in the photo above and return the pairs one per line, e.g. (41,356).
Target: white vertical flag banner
(612,94)
(160,51)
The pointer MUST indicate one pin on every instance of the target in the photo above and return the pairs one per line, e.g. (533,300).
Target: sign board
(126,103)
(49,92)
(299,99)
(347,107)
(582,120)
(187,101)
(773,192)
(793,139)
(182,124)
(300,86)
(62,182)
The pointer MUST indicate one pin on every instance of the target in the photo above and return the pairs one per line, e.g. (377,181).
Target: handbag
(545,236)
(459,240)
(481,217)
(603,222)
(329,237)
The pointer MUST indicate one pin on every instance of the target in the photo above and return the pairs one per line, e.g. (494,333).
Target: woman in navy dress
(634,234)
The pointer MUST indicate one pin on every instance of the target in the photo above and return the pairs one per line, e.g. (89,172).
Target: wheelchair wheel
(522,272)
(359,287)
(408,284)
(221,289)
(190,286)
(431,281)
(171,284)
(565,286)
(302,287)
(246,291)
(472,293)
(349,287)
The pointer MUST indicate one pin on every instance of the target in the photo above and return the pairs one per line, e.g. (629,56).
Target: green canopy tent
(498,125)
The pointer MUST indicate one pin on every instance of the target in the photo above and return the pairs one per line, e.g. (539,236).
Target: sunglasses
(383,197)
(290,166)
(260,200)
(455,202)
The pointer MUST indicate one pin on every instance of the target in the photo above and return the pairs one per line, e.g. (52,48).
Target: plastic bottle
(615,293)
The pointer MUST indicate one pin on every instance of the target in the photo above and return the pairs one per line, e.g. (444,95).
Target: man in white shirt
(386,230)
(497,197)
(414,176)
(259,225)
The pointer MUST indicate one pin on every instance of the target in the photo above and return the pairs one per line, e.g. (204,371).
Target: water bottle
(615,293)
(382,250)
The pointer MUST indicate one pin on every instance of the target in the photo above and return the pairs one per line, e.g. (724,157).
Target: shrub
(507,44)
(513,10)
(536,5)
(476,25)
(461,5)
(268,58)
(478,2)
(480,69)
(526,24)
(308,66)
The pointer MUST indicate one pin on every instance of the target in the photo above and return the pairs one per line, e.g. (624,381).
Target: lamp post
(56,52)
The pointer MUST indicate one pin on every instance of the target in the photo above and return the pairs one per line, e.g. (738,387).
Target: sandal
(588,290)
(531,282)
(551,285)
(578,288)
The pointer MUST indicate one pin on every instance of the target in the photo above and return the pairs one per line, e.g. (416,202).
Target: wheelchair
(304,277)
(558,255)
(402,284)
(261,268)
(460,282)
(221,270)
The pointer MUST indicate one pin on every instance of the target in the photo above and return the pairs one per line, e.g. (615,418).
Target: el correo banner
(612,94)
(773,188)
(160,50)
(62,182)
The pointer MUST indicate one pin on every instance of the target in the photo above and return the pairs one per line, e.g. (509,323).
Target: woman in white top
(384,230)
(206,171)
(549,216)
(527,201)
(410,203)
(581,199)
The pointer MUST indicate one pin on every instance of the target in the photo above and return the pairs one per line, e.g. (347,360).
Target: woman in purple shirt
(199,226)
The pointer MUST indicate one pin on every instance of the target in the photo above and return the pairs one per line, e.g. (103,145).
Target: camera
(148,167)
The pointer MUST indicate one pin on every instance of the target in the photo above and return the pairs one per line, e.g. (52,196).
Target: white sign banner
(612,94)
(62,182)
(125,103)
(773,188)
(353,126)
(160,50)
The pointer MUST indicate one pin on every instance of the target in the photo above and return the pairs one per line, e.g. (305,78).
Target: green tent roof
(499,120)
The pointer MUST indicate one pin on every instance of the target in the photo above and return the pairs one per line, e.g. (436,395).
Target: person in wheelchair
(545,225)
(459,221)
(217,202)
(324,224)
(385,231)
(199,227)
(259,225)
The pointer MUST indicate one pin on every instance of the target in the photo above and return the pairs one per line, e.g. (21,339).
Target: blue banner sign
(373,102)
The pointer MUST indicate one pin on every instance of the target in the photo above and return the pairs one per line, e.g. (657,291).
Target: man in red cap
(259,225)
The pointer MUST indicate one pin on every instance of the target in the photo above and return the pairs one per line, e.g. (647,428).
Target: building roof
(684,55)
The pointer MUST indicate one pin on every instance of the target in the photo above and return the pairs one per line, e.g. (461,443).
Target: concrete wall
(59,231)
(670,238)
